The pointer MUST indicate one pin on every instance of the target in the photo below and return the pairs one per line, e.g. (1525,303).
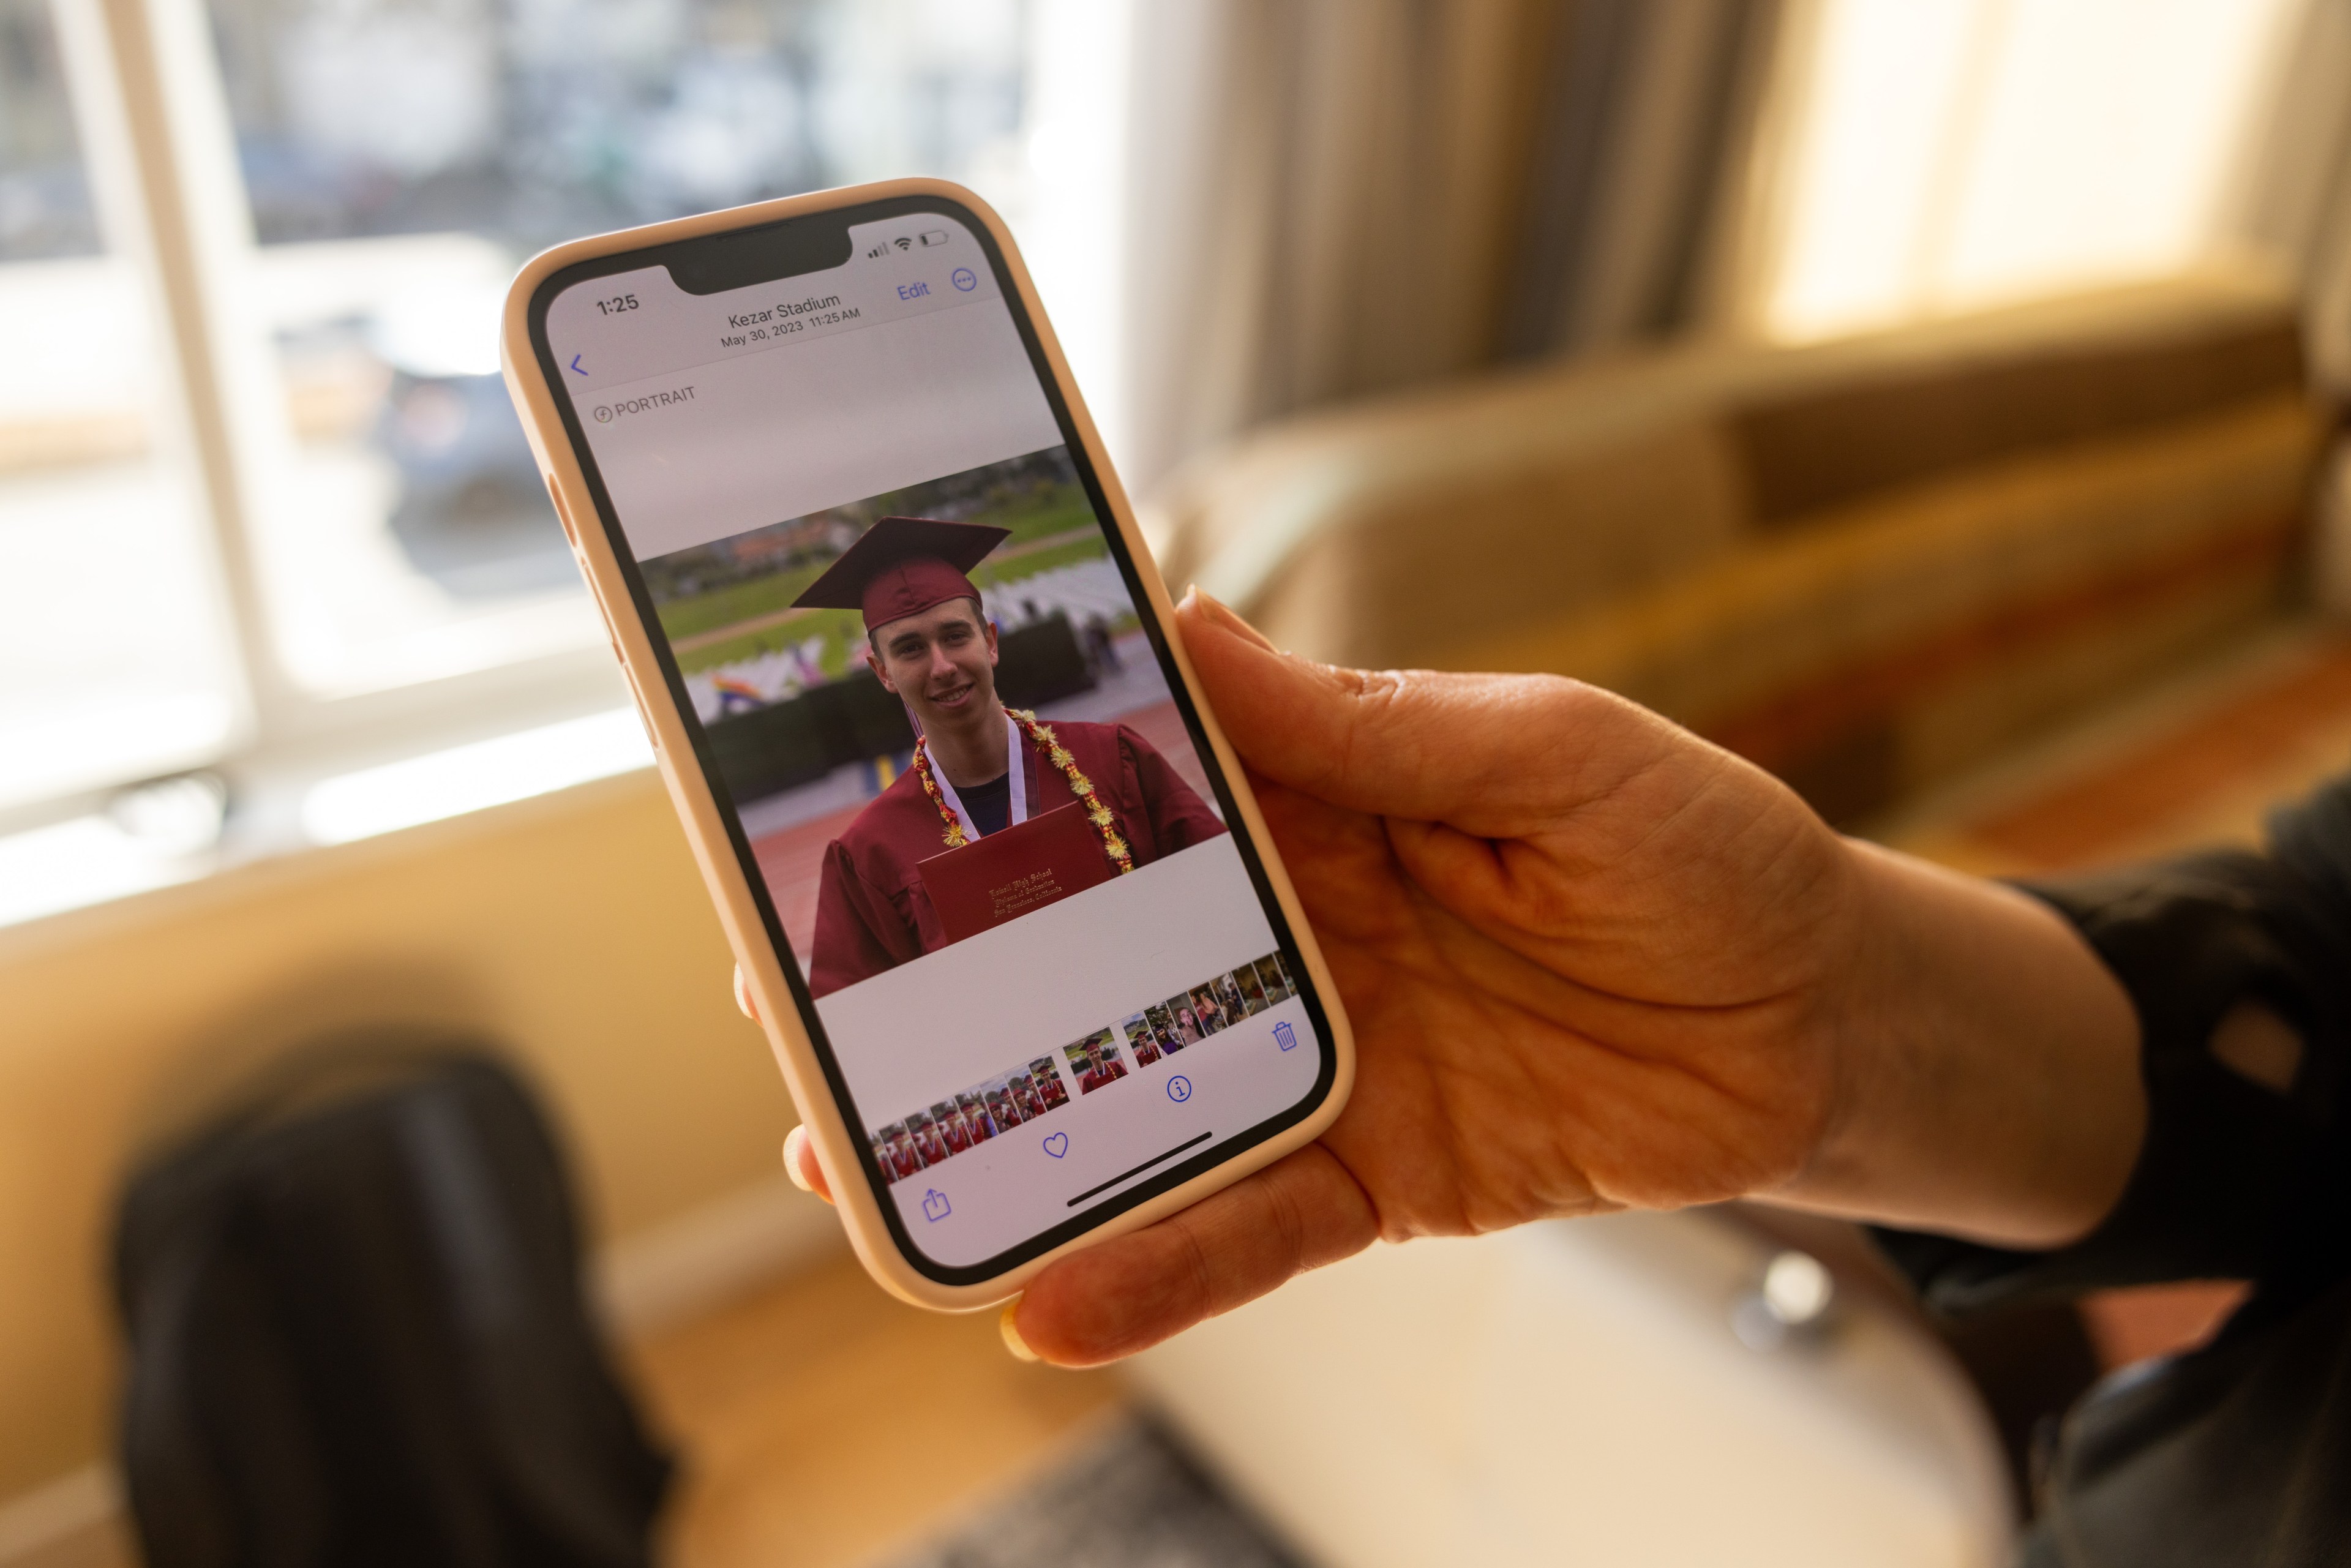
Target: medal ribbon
(1016,771)
(957,822)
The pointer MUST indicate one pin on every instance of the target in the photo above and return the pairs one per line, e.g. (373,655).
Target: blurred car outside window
(400,157)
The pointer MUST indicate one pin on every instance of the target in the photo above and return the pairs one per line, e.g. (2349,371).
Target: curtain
(2293,197)
(1332,198)
(2292,204)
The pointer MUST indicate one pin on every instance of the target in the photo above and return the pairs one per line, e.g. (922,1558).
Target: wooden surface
(823,1423)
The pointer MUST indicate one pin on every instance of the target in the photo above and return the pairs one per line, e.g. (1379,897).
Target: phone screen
(1027,931)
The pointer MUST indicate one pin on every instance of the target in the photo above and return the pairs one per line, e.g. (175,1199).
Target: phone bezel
(658,246)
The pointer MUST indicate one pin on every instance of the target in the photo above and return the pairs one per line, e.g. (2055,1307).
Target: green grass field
(840,629)
(843,630)
(1058,510)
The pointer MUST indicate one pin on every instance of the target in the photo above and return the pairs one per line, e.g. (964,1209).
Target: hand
(1592,962)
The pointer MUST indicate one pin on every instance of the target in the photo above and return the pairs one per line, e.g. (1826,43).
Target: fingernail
(792,1139)
(1236,623)
(1208,605)
(1011,1331)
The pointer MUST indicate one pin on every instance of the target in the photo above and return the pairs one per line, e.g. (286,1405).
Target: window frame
(159,153)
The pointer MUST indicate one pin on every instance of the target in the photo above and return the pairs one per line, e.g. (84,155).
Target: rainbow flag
(734,695)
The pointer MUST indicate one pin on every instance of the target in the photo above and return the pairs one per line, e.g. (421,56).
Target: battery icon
(935,237)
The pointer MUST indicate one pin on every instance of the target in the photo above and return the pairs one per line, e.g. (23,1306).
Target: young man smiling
(929,642)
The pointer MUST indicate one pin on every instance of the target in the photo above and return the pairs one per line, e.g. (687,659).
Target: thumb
(1479,751)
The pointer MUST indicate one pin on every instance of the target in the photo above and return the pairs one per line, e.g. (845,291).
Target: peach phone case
(835,1140)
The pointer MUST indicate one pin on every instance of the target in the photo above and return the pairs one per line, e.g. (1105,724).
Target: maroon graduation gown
(873,912)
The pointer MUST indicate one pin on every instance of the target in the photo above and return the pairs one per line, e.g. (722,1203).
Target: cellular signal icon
(877,253)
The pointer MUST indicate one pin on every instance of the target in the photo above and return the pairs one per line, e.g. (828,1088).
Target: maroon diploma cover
(1015,871)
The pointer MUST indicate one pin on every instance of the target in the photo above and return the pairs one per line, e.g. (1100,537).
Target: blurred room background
(1939,401)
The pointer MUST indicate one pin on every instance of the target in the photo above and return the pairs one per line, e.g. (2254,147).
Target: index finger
(1482,751)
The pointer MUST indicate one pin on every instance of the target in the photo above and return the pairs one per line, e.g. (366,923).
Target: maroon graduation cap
(902,566)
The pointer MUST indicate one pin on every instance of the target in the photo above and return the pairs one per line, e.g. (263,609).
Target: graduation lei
(1042,739)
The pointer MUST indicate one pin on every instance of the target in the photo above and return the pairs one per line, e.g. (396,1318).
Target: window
(265,509)
(115,660)
(1943,155)
(401,157)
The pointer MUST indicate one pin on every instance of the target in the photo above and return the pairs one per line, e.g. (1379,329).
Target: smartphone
(1014,926)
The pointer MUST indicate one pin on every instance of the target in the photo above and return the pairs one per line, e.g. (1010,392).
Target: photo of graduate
(1023,1090)
(950,1123)
(929,1142)
(974,1117)
(977,767)
(1050,1089)
(904,1158)
(1094,1061)
(1141,1039)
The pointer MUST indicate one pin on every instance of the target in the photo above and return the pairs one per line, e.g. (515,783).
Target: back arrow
(575,365)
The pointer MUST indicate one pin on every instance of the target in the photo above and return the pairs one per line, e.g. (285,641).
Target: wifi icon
(901,242)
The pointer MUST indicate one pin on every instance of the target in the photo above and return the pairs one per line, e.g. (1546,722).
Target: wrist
(1984,1063)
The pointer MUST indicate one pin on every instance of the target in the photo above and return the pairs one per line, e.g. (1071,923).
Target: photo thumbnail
(1163,1028)
(1253,996)
(1229,996)
(929,1142)
(965,1120)
(1050,1089)
(895,1151)
(1242,992)
(1094,1061)
(982,611)
(962,1121)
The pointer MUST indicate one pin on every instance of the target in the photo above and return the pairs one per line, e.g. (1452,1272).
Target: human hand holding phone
(903,663)
(870,577)
(1595,962)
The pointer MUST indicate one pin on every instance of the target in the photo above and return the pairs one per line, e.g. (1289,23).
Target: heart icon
(1058,1144)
